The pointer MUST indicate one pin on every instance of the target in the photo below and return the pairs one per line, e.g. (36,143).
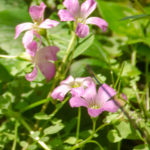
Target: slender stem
(133,58)
(78,123)
(119,145)
(72,42)
(78,145)
(34,105)
(100,147)
(9,57)
(37,139)
(16,134)
(147,85)
(58,108)
(117,81)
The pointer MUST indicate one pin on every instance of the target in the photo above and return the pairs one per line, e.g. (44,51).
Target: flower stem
(78,145)
(9,57)
(71,44)
(37,139)
(78,123)
(147,85)
(35,105)
(16,134)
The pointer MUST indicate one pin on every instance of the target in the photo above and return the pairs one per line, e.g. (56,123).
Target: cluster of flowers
(84,93)
(83,90)
(43,58)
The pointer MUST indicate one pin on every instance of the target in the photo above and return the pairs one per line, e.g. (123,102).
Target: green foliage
(120,57)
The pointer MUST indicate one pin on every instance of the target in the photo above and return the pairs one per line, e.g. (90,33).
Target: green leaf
(83,45)
(124,129)
(113,136)
(53,129)
(113,12)
(71,140)
(135,17)
(41,116)
(79,67)
(141,147)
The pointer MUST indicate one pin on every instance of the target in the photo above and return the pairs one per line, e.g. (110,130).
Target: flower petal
(77,102)
(82,30)
(22,27)
(42,58)
(31,76)
(101,23)
(64,15)
(48,23)
(47,69)
(27,38)
(85,82)
(32,48)
(68,80)
(87,8)
(105,93)
(110,106)
(95,112)
(72,6)
(90,92)
(77,92)
(60,92)
(47,53)
(37,12)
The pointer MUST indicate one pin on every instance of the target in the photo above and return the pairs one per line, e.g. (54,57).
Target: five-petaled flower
(95,102)
(37,15)
(43,59)
(80,14)
(69,84)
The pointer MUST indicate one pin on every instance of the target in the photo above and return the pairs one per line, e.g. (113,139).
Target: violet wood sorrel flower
(80,14)
(69,84)
(95,102)
(43,59)
(37,15)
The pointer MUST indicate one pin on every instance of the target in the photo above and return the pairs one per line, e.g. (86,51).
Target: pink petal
(27,38)
(32,48)
(78,102)
(31,76)
(37,12)
(77,92)
(47,69)
(42,58)
(47,53)
(47,24)
(60,92)
(85,81)
(64,15)
(101,23)
(87,8)
(22,27)
(110,106)
(95,112)
(68,80)
(105,92)
(90,92)
(82,30)
(72,6)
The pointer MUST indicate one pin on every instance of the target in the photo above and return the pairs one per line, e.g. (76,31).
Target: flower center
(76,84)
(81,20)
(93,104)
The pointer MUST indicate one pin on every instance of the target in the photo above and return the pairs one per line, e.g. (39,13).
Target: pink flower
(95,102)
(80,14)
(43,59)
(70,83)
(37,15)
